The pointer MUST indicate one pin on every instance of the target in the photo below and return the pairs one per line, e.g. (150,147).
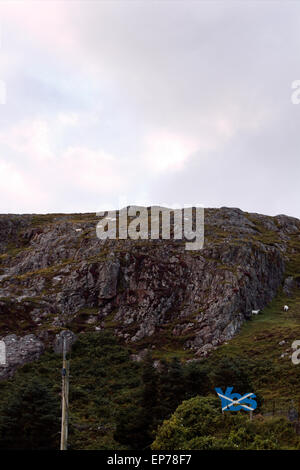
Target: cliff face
(55,274)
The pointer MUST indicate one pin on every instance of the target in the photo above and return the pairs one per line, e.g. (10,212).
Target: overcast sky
(149,102)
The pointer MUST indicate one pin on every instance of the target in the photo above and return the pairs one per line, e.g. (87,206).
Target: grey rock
(289,285)
(70,338)
(109,279)
(19,351)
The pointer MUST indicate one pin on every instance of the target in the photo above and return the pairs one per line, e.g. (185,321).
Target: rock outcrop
(18,351)
(55,274)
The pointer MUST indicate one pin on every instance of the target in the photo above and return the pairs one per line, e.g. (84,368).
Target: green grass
(274,377)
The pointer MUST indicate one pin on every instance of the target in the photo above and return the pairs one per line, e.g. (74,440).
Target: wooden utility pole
(65,399)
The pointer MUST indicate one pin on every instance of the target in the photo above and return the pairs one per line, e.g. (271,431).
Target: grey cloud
(185,68)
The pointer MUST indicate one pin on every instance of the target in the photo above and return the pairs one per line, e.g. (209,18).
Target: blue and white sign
(235,402)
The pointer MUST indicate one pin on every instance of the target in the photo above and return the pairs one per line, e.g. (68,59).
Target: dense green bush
(163,389)
(198,424)
(29,417)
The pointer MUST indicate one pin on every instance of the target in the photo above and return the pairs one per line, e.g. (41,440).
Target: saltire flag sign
(235,402)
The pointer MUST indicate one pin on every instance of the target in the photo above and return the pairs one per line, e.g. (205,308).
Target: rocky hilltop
(55,274)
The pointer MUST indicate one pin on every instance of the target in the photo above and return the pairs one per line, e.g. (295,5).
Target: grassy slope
(275,377)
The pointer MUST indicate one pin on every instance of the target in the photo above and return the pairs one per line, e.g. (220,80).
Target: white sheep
(255,312)
(285,308)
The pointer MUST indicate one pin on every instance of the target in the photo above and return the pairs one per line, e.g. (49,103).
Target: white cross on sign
(236,402)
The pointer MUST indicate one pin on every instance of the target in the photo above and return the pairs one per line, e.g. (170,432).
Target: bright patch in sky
(167,152)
